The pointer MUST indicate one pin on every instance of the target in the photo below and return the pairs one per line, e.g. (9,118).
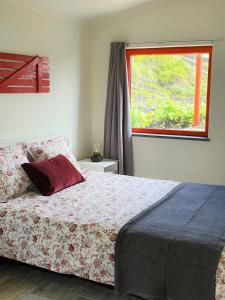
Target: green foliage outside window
(163,91)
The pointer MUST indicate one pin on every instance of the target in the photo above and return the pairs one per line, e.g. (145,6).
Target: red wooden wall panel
(24,74)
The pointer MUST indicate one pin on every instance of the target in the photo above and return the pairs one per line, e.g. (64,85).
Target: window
(170,90)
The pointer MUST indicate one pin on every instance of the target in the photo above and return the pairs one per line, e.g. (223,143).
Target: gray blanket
(172,249)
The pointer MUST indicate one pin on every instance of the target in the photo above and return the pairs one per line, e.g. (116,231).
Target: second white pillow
(51,148)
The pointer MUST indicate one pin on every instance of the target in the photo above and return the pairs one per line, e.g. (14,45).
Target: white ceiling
(85,9)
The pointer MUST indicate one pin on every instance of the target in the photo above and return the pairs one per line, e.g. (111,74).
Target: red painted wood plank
(44,89)
(21,58)
(11,65)
(32,75)
(15,57)
(6,73)
(28,76)
(8,90)
(24,82)
(44,60)
(17,65)
(29,82)
(45,76)
(44,68)
(45,83)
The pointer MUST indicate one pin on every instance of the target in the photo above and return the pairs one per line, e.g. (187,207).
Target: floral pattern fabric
(74,231)
(45,149)
(13,179)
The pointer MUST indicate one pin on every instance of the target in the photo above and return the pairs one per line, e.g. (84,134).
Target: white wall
(175,20)
(67,107)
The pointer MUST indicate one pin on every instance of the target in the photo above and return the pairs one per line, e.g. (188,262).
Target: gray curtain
(117,135)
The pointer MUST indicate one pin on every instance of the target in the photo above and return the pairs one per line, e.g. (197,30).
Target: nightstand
(107,165)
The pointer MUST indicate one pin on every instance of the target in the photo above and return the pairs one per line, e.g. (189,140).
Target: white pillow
(13,179)
(50,148)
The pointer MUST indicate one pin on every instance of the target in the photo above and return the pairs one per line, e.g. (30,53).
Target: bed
(74,231)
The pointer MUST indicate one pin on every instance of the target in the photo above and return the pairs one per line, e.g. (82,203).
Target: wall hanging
(24,74)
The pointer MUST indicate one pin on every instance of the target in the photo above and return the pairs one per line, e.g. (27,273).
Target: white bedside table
(107,165)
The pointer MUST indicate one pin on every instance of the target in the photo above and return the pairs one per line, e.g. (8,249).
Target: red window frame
(173,50)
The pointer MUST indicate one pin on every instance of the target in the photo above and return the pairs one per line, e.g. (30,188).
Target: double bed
(74,231)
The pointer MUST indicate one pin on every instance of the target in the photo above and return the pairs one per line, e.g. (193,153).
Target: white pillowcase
(13,179)
(50,148)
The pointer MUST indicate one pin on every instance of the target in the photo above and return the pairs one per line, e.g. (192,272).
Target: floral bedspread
(74,231)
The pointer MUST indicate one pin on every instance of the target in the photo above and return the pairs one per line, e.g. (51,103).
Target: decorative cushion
(13,179)
(53,175)
(50,148)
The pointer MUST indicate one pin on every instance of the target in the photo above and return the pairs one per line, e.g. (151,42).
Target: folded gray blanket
(172,249)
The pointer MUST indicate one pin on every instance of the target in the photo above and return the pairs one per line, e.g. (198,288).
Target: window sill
(176,137)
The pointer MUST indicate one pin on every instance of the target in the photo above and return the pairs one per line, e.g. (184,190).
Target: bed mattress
(74,231)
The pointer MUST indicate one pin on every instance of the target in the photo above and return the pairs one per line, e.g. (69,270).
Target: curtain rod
(169,42)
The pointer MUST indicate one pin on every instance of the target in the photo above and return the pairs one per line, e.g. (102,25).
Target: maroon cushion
(53,175)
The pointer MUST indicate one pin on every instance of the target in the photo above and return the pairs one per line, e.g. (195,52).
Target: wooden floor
(22,282)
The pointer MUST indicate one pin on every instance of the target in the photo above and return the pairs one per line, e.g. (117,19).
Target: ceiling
(85,9)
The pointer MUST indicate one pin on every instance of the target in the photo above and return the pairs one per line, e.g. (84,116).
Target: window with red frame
(170,90)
